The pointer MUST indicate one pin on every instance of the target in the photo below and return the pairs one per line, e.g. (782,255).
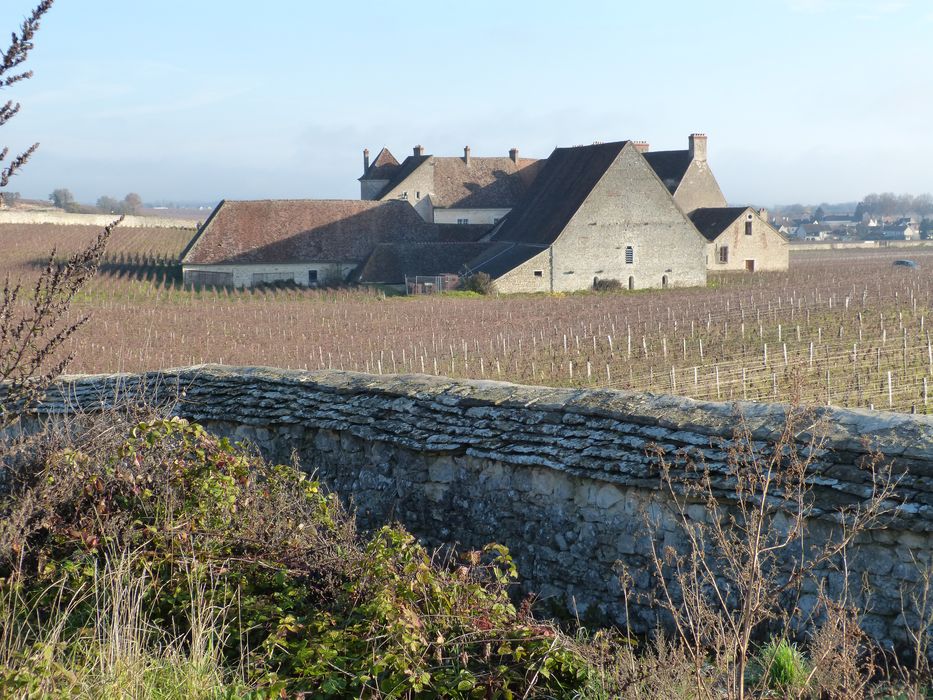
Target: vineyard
(842,328)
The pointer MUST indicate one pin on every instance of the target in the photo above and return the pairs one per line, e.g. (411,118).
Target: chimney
(466,155)
(365,160)
(418,150)
(698,147)
(513,154)
(642,146)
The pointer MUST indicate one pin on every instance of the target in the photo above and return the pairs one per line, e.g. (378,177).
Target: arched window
(629,255)
(631,283)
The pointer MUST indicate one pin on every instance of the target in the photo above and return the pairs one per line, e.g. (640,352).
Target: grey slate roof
(670,166)
(712,221)
(499,258)
(565,181)
(390,263)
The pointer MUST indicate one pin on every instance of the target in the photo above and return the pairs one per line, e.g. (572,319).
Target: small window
(539,273)
(629,255)
(631,283)
(418,195)
(724,254)
(496,219)
(463,221)
(312,278)
(748,227)
(664,281)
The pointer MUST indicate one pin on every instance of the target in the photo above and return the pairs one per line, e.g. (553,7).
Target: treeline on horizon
(874,204)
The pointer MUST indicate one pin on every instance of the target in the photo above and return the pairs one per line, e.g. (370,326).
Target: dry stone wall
(565,478)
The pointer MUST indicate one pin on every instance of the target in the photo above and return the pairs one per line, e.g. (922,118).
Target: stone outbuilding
(740,240)
(306,242)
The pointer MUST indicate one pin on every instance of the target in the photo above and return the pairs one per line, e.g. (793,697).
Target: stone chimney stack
(642,146)
(466,155)
(513,154)
(698,147)
(418,150)
(365,160)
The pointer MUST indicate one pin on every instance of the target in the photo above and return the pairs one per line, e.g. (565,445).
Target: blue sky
(803,100)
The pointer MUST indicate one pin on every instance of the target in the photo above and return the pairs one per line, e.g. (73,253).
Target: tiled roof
(383,167)
(391,263)
(486,183)
(712,221)
(670,166)
(290,231)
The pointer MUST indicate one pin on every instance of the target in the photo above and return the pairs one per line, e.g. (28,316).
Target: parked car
(906,263)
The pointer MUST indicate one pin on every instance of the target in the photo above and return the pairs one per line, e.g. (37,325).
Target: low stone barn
(305,242)
(740,239)
(595,212)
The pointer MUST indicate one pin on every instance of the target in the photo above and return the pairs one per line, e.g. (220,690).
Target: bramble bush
(301,602)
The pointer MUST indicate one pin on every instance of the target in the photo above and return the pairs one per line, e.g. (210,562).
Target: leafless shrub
(745,555)
(35,327)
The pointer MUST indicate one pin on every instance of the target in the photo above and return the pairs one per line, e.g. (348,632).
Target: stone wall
(565,478)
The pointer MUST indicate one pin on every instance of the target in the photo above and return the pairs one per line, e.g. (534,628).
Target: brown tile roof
(486,183)
(383,167)
(391,263)
(290,231)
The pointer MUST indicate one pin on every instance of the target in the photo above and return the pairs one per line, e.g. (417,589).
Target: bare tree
(35,323)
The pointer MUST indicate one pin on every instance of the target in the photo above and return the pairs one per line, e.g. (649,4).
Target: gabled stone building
(595,212)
